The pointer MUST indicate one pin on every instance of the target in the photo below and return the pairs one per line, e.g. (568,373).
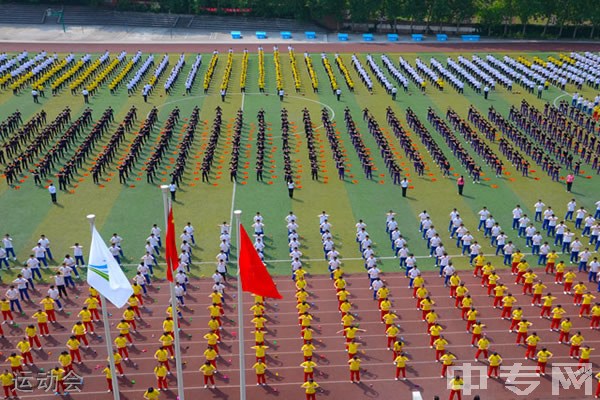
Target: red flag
(171,248)
(253,272)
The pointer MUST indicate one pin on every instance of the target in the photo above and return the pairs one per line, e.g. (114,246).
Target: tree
(461,10)
(490,13)
(526,9)
(578,14)
(414,10)
(508,12)
(438,12)
(593,15)
(548,11)
(392,9)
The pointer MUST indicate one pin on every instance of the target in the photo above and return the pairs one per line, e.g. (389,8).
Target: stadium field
(273,83)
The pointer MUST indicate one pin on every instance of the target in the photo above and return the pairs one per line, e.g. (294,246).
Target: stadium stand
(27,14)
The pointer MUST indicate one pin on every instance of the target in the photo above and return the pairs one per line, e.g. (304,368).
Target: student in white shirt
(78,254)
(46,244)
(40,253)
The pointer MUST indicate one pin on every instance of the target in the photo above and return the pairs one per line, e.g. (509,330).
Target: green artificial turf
(131,209)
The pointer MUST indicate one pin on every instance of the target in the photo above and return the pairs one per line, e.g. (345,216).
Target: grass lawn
(131,209)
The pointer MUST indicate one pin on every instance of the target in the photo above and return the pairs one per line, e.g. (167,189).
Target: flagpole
(240,306)
(178,364)
(107,337)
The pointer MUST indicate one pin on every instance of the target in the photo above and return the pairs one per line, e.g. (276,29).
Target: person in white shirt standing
(156,231)
(8,246)
(22,287)
(117,240)
(12,294)
(45,242)
(78,254)
(190,231)
(34,264)
(40,253)
(54,295)
(3,258)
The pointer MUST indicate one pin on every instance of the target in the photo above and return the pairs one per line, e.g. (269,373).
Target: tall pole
(238,215)
(107,337)
(178,364)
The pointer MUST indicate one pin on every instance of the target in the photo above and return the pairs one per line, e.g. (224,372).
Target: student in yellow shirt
(447,361)
(440,347)
(162,356)
(211,356)
(92,304)
(550,261)
(576,342)
(538,290)
(16,364)
(522,328)
(517,315)
(121,343)
(400,363)
(58,376)
(42,321)
(66,361)
(259,336)
(261,352)
(129,316)
(108,375)
(456,385)
(166,341)
(86,318)
(434,333)
(208,371)
(461,291)
(568,285)
(354,364)
(542,359)
(560,272)
(8,384)
(483,345)
(507,304)
(471,318)
(48,304)
(477,331)
(584,356)
(160,371)
(426,306)
(595,323)
(565,330)
(466,305)
(151,394)
(25,348)
(345,307)
(310,389)
(494,364)
(389,319)
(32,336)
(260,369)
(397,349)
(302,295)
(586,304)
(557,314)
(350,332)
(308,367)
(532,341)
(117,357)
(212,340)
(79,332)
(391,334)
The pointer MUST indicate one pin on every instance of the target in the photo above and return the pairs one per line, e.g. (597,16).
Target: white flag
(104,273)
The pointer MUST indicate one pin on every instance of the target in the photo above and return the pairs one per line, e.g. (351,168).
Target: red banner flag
(171,248)
(253,272)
